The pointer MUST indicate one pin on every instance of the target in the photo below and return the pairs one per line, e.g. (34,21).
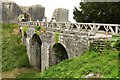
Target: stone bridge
(48,43)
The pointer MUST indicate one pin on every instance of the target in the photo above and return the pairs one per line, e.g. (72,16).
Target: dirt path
(16,71)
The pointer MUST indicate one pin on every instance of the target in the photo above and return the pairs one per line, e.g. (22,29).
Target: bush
(97,47)
(37,32)
(37,28)
(117,45)
(24,29)
(114,39)
(93,47)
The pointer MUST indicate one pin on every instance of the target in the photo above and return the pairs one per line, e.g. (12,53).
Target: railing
(90,28)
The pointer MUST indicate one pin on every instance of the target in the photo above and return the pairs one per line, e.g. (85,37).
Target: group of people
(45,20)
(38,22)
(22,19)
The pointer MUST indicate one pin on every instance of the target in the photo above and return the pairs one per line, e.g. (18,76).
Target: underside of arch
(36,52)
(57,53)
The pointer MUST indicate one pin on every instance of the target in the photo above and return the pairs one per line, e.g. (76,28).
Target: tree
(98,12)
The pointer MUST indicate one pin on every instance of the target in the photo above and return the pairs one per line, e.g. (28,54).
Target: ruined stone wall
(10,12)
(61,15)
(37,12)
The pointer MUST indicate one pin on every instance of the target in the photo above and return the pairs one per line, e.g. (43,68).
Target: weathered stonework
(11,11)
(37,12)
(61,15)
(40,48)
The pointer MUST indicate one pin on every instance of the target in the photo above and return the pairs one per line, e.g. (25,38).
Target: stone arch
(24,17)
(57,54)
(36,51)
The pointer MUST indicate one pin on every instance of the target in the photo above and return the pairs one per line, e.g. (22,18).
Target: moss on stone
(24,29)
(56,36)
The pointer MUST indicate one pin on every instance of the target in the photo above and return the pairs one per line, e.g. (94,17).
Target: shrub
(97,47)
(56,36)
(37,28)
(24,29)
(117,45)
(114,39)
(93,47)
(37,32)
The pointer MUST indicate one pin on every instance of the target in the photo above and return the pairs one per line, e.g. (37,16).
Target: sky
(51,5)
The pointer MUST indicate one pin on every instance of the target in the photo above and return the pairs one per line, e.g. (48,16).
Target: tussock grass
(13,52)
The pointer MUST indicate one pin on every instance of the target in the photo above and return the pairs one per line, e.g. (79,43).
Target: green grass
(114,39)
(104,64)
(13,52)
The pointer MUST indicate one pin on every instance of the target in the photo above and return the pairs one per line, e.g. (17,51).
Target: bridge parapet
(90,28)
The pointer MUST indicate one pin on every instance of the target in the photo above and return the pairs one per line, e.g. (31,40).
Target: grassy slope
(114,39)
(105,64)
(13,52)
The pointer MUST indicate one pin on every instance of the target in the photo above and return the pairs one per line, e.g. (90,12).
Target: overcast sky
(51,5)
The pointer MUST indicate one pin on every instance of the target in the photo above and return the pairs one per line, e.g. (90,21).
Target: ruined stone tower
(61,15)
(37,12)
(10,12)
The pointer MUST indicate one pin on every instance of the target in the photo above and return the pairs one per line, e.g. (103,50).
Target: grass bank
(13,51)
(102,65)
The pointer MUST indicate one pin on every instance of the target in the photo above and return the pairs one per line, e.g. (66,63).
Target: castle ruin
(61,15)
(11,11)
